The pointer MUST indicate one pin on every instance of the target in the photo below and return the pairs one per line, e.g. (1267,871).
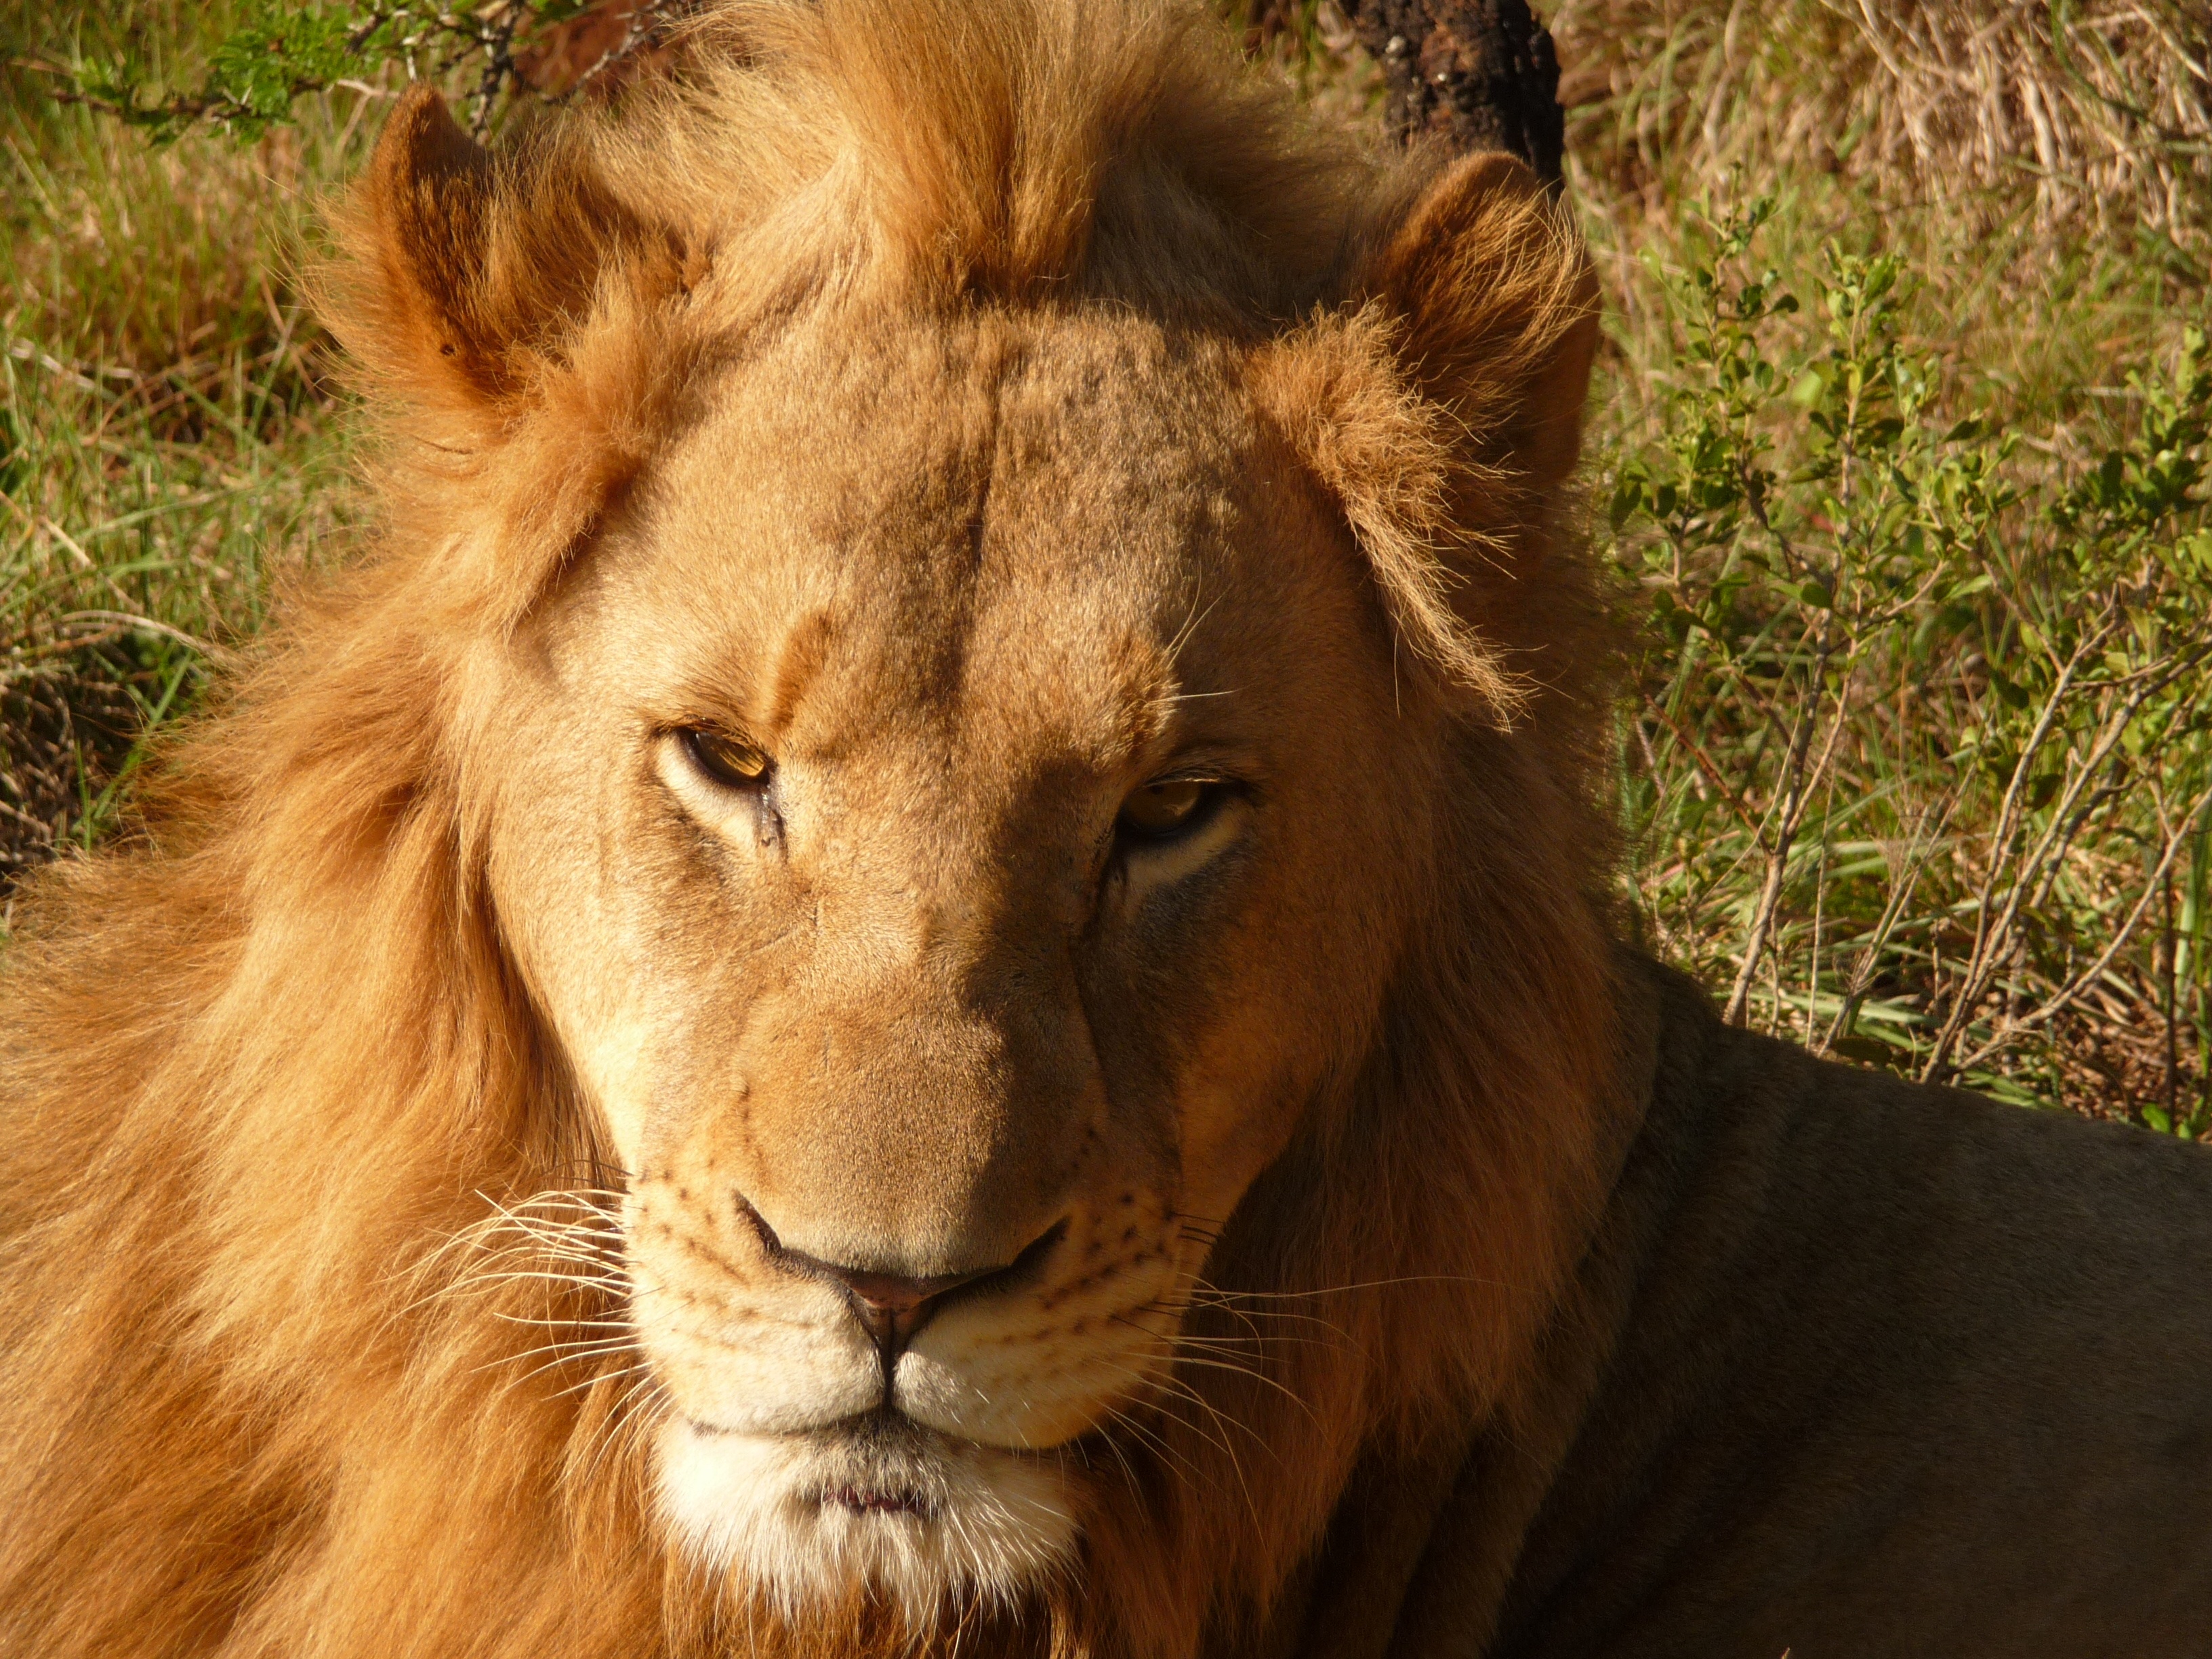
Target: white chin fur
(992,1525)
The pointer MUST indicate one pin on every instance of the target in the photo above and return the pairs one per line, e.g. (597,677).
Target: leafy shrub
(272,54)
(1920,761)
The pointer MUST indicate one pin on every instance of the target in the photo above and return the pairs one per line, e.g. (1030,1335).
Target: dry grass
(2095,120)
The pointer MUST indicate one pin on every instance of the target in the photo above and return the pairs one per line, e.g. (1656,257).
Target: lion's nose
(893,1307)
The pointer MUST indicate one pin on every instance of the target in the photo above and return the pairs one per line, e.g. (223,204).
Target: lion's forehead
(874,531)
(853,429)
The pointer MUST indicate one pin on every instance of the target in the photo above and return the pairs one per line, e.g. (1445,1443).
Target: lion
(922,964)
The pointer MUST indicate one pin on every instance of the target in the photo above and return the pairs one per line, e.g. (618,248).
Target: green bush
(271,54)
(1920,760)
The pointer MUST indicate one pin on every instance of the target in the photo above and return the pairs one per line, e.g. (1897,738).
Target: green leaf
(1628,502)
(15,456)
(1813,594)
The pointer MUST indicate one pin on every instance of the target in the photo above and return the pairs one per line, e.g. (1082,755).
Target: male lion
(922,966)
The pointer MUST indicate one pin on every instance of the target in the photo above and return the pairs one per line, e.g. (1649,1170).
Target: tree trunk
(1479,74)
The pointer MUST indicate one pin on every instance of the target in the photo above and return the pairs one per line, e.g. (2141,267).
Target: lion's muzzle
(893,1308)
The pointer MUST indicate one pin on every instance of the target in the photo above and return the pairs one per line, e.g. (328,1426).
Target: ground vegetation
(1898,447)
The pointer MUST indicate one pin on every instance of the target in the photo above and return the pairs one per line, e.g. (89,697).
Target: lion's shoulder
(1883,1358)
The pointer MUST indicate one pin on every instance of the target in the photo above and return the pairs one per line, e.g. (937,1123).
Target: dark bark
(1479,74)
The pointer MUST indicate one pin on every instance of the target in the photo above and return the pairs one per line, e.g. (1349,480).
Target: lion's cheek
(1240,1104)
(645,1050)
(613,1056)
(1287,1011)
(615,1013)
(1029,1395)
(726,1364)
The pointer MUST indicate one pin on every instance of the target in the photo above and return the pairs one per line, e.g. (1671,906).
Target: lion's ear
(469,274)
(1442,407)
(423,228)
(525,324)
(1496,304)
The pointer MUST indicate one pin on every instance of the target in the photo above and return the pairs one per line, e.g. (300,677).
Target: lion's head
(919,851)
(972,702)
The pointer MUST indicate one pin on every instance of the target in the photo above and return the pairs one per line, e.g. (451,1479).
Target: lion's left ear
(1441,406)
(1498,303)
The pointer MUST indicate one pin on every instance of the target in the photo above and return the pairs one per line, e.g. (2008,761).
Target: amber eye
(1160,809)
(726,760)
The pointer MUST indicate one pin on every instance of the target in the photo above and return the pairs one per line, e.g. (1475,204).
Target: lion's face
(922,821)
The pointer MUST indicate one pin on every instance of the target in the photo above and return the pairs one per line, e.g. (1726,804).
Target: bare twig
(1706,768)
(2065,997)
(1992,926)
(1797,786)
(1924,842)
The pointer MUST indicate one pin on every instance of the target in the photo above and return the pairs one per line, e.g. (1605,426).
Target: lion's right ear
(525,325)
(421,228)
(467,274)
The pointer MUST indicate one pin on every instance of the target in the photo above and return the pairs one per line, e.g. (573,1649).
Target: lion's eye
(1167,806)
(726,760)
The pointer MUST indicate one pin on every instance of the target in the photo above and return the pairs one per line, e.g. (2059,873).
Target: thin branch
(2069,993)
(1798,786)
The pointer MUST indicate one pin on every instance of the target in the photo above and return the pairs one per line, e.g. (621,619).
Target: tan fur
(984,402)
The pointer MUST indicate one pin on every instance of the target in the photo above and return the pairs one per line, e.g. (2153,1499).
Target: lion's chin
(921,1517)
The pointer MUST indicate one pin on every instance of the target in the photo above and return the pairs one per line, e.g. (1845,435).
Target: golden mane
(278,1376)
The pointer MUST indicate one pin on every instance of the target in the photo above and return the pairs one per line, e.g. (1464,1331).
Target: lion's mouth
(863,1500)
(878,1501)
(888,1455)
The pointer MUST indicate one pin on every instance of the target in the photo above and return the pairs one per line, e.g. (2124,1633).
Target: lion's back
(1905,1371)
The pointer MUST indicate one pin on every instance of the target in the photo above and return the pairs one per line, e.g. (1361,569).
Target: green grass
(168,447)
(2044,320)
(1920,768)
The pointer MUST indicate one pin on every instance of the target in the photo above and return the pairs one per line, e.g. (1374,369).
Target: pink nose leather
(893,1308)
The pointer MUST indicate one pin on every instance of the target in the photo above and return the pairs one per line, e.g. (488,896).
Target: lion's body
(1879,1368)
(922,965)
